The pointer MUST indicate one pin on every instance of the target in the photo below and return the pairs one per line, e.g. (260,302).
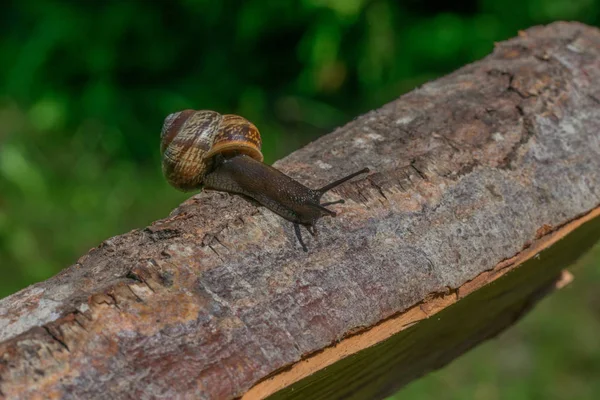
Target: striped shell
(189,139)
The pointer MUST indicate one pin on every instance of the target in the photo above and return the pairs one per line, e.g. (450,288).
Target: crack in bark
(133,276)
(417,170)
(114,299)
(215,251)
(56,338)
(594,98)
(155,234)
(376,186)
(139,299)
(76,313)
(137,276)
(528,131)
(216,238)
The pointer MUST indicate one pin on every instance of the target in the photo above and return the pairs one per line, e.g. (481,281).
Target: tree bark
(493,168)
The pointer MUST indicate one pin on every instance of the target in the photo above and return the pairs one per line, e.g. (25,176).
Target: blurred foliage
(85,86)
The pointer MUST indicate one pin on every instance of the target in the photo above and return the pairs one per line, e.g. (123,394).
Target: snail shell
(190,139)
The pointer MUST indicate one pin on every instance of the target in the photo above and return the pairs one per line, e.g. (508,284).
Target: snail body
(222,152)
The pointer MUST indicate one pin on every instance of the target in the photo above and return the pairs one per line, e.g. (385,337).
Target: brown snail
(222,152)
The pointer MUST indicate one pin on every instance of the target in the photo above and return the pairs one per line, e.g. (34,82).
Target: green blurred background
(86,85)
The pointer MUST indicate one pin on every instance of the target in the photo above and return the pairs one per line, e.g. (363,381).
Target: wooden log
(494,168)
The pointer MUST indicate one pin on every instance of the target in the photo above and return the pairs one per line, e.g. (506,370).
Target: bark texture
(468,171)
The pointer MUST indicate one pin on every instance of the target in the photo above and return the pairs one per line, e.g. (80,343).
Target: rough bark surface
(468,170)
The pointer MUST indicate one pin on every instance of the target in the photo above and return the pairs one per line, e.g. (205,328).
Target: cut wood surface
(493,168)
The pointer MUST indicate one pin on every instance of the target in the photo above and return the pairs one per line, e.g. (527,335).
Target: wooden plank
(379,361)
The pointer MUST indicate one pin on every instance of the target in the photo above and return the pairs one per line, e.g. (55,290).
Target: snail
(205,149)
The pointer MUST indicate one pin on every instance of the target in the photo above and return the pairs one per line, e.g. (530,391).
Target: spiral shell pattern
(237,135)
(190,139)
